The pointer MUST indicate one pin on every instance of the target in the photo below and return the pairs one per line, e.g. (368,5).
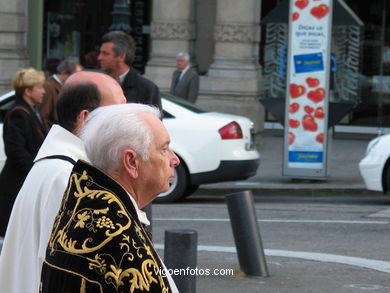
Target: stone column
(172,31)
(13,54)
(233,82)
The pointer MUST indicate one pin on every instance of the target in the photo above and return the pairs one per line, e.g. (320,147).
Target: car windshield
(183,103)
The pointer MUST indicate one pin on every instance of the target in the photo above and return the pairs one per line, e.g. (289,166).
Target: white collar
(140,213)
(184,71)
(121,77)
(60,141)
(57,79)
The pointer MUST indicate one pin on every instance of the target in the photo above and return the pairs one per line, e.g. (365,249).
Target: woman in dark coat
(23,134)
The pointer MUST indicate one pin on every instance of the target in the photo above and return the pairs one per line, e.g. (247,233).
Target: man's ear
(82,117)
(122,57)
(80,121)
(131,163)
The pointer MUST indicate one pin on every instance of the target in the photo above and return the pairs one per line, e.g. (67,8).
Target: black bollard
(148,210)
(246,233)
(180,254)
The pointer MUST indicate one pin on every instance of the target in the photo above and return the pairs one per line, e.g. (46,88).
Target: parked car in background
(6,102)
(375,166)
(212,146)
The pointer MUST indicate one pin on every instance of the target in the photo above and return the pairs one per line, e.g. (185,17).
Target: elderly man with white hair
(40,197)
(185,81)
(98,242)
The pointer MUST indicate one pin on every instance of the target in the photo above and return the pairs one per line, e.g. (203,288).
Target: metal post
(246,233)
(180,258)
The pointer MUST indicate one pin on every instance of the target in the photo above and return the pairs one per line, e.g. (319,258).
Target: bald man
(40,197)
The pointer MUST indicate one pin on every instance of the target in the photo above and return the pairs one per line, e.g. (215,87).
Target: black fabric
(23,135)
(61,157)
(138,89)
(98,243)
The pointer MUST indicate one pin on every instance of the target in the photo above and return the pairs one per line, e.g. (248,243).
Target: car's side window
(167,115)
(4,109)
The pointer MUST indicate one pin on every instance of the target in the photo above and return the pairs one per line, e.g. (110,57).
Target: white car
(212,146)
(375,166)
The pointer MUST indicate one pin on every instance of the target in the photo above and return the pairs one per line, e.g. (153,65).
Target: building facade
(226,39)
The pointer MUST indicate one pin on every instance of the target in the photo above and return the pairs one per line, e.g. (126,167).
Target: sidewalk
(345,150)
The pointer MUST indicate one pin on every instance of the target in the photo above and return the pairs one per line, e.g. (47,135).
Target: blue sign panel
(305,157)
(308,63)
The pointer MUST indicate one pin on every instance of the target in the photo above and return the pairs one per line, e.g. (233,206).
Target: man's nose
(175,161)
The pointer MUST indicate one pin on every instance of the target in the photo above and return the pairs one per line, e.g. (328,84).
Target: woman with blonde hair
(23,134)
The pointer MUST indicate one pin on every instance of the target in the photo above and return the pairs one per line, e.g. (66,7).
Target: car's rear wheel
(177,188)
(190,190)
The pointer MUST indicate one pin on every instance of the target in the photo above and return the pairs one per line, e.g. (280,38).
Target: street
(324,244)
(325,240)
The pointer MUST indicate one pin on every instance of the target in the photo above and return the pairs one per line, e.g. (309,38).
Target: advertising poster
(307,93)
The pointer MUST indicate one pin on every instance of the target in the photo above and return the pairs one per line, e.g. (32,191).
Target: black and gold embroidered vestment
(98,243)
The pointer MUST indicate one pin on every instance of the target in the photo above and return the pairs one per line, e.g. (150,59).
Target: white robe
(34,211)
(33,214)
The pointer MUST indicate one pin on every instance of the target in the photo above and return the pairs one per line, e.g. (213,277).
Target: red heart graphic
(320,11)
(294,107)
(301,4)
(295,16)
(319,113)
(291,138)
(308,109)
(320,137)
(317,95)
(309,124)
(293,123)
(312,82)
(296,90)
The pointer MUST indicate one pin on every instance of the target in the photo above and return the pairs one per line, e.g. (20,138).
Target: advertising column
(307,94)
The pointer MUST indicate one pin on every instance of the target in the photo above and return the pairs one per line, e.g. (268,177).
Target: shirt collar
(140,213)
(56,78)
(121,77)
(184,70)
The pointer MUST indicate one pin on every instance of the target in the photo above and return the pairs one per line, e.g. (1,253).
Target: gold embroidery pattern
(116,270)
(86,219)
(139,279)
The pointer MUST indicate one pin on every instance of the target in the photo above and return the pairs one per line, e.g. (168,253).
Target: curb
(288,191)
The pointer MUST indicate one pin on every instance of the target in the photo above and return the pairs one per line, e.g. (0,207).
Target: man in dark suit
(116,58)
(185,81)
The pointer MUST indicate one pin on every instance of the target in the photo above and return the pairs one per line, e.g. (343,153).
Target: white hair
(111,129)
(185,55)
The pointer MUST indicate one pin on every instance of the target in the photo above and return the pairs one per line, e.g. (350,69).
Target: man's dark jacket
(138,89)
